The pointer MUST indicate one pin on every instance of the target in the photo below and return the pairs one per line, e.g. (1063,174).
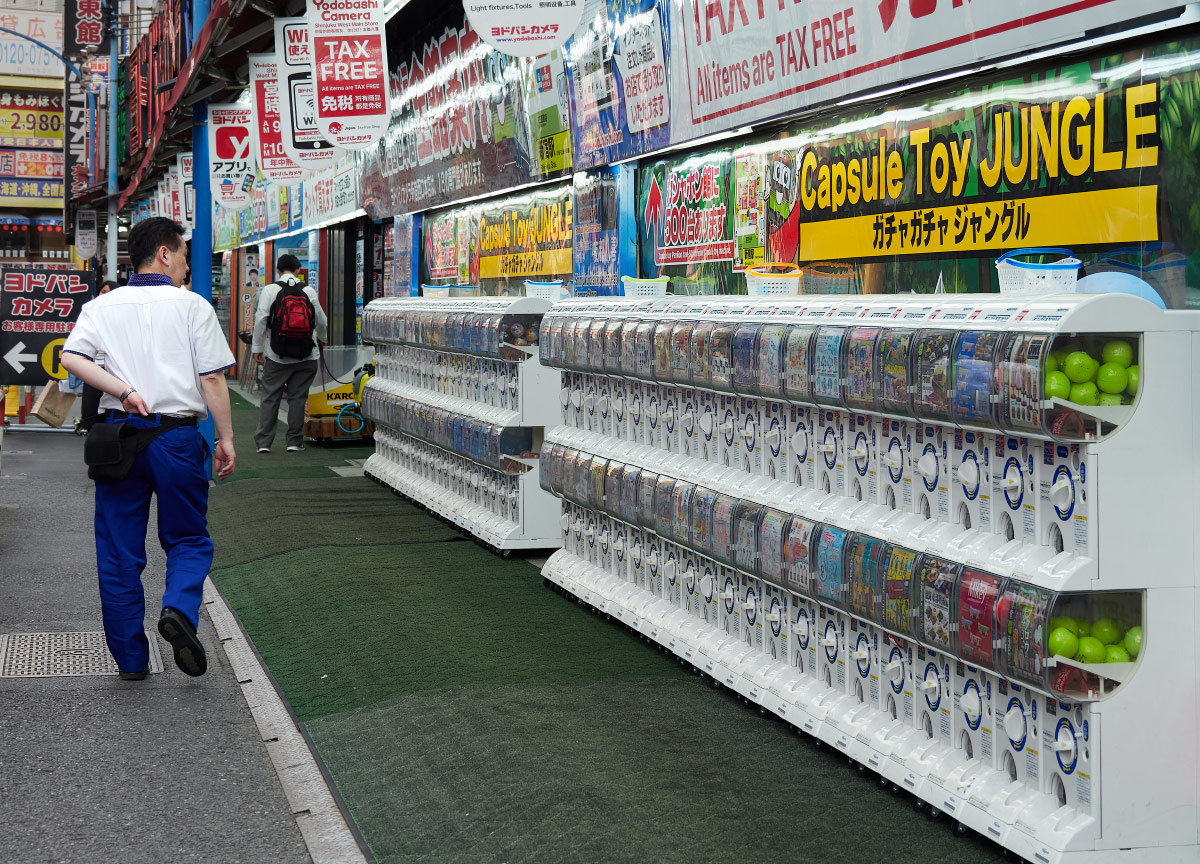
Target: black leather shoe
(134,676)
(178,630)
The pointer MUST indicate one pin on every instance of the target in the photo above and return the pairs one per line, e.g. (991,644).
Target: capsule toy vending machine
(748,437)
(661,404)
(576,336)
(626,389)
(775,437)
(931,389)
(611,405)
(863,428)
(897,430)
(609,508)
(832,627)
(728,644)
(830,432)
(665,528)
(624,526)
(684,419)
(866,563)
(799,554)
(897,661)
(797,390)
(772,534)
(976,686)
(704,444)
(643,394)
(935,607)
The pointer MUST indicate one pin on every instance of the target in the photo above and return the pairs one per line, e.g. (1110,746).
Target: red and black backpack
(292,322)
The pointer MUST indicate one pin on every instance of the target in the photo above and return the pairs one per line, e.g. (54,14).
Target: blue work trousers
(173,467)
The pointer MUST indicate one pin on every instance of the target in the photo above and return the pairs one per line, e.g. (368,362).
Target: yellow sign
(554,153)
(30,127)
(1128,215)
(546,262)
(52,359)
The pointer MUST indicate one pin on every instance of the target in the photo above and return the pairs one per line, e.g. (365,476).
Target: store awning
(48,223)
(13,222)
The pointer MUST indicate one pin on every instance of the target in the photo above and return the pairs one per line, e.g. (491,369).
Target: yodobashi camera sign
(349,61)
(524,28)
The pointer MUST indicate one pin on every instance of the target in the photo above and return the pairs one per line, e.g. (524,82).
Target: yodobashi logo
(526,30)
(233,142)
(346,10)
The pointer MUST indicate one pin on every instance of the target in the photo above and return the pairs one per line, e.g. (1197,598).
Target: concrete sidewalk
(96,769)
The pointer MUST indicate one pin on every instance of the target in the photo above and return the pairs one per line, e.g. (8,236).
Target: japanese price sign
(524,28)
(350,71)
(38,308)
(273,161)
(231,167)
(301,138)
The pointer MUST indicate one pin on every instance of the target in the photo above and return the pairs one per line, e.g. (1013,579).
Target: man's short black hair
(151,234)
(288,264)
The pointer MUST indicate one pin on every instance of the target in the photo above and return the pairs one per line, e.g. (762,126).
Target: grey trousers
(296,378)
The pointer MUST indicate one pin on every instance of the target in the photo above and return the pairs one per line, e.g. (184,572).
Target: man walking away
(165,362)
(286,321)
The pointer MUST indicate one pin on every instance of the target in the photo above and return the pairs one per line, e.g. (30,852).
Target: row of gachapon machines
(456,431)
(938,409)
(485,380)
(486,326)
(435,474)
(935,674)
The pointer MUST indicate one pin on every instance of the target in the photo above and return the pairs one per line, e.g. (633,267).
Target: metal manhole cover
(51,655)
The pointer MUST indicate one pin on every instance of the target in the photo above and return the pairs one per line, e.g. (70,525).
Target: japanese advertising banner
(466,120)
(231,166)
(38,308)
(1097,155)
(620,81)
(75,144)
(736,62)
(350,70)
(31,193)
(596,258)
(31,119)
(85,233)
(273,161)
(684,213)
(21,57)
(302,140)
(499,244)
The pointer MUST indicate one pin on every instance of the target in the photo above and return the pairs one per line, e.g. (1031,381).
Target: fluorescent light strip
(336,220)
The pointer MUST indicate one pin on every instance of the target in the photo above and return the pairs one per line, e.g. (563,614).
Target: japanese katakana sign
(231,167)
(350,71)
(38,308)
(301,138)
(524,28)
(273,161)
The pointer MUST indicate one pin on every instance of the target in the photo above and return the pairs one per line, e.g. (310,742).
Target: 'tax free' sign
(349,59)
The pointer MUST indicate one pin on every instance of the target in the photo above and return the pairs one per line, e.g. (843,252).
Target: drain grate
(53,655)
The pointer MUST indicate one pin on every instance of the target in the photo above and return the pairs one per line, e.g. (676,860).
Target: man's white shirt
(159,339)
(262,314)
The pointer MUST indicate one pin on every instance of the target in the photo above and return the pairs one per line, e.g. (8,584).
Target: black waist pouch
(109,448)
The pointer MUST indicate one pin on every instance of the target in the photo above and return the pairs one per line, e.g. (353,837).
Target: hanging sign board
(302,140)
(183,162)
(273,161)
(38,308)
(350,71)
(522,28)
(85,233)
(231,167)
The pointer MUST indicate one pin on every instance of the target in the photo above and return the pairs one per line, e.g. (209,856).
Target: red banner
(349,59)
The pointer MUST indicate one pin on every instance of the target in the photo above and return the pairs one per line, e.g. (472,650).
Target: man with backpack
(287,322)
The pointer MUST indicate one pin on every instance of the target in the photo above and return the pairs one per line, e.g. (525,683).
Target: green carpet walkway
(468,714)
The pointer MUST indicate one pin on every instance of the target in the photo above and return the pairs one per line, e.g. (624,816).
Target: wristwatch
(125,395)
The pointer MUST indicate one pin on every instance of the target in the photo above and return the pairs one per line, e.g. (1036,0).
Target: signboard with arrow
(38,308)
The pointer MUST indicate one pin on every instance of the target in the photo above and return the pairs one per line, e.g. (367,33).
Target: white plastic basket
(1028,277)
(551,291)
(435,291)
(1167,274)
(631,286)
(773,279)
(830,277)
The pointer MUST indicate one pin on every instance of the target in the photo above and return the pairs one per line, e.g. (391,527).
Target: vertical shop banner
(81,27)
(350,70)
(524,28)
(620,81)
(38,308)
(736,63)
(175,187)
(402,256)
(302,140)
(360,275)
(231,166)
(183,162)
(273,161)
(596,252)
(85,233)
